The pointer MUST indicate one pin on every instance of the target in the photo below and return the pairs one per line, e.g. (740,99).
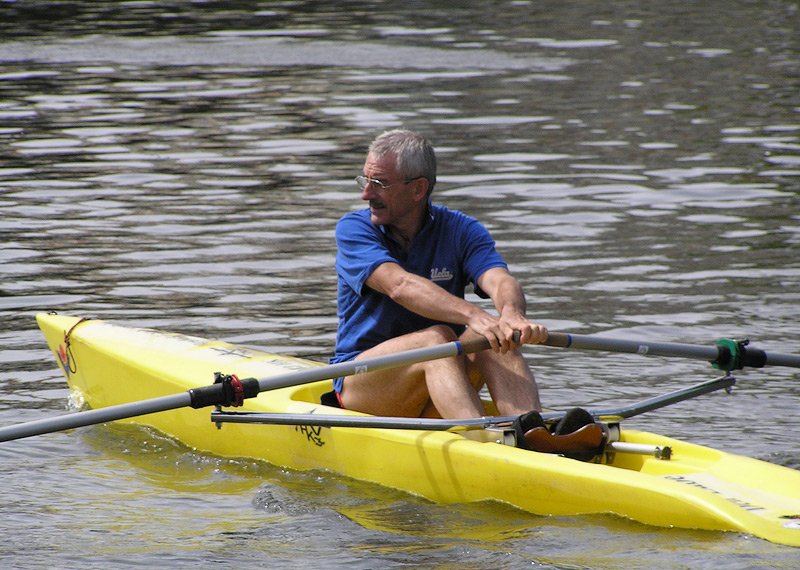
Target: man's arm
(420,295)
(425,298)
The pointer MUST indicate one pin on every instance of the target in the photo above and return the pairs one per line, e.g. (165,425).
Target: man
(403,265)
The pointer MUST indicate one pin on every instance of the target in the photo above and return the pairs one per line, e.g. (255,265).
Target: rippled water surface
(182,165)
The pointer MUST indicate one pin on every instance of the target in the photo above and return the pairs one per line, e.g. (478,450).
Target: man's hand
(509,300)
(500,331)
(529,332)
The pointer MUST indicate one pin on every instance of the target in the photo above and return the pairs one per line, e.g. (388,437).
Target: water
(182,166)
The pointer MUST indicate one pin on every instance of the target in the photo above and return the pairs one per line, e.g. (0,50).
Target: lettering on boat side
(312,433)
(735,500)
(177,339)
(642,349)
(283,363)
(792,522)
(235,352)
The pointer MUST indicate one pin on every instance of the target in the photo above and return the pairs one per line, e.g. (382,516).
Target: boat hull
(698,488)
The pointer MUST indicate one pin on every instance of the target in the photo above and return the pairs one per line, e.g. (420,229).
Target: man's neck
(404,234)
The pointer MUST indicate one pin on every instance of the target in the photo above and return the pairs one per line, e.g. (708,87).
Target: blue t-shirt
(451,249)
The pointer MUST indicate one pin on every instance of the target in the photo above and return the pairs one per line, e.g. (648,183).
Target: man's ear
(421,186)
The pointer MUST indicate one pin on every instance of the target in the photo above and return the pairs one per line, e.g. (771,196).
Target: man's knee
(439,334)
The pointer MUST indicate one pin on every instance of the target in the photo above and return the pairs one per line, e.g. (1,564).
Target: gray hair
(413,152)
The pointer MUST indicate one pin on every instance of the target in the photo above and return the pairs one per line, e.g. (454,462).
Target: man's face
(395,202)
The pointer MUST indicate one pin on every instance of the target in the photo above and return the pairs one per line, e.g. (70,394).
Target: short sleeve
(360,250)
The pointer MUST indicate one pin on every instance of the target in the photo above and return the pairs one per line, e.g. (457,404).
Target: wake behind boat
(638,475)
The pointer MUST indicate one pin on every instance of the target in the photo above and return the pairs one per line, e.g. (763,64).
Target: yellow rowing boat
(692,487)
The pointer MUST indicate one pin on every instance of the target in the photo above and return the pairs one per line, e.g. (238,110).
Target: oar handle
(481,343)
(474,345)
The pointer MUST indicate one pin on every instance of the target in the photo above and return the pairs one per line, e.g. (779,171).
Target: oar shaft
(210,395)
(726,355)
(588,342)
(92,417)
(351,367)
(778,359)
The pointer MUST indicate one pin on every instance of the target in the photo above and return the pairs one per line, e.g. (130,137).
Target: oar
(727,355)
(224,392)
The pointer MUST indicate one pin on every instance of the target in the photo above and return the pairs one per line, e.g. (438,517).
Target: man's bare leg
(426,388)
(509,380)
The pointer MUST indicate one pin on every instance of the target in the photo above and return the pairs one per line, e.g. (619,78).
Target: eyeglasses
(364,181)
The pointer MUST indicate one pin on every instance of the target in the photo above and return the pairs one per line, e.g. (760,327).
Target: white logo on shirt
(442,274)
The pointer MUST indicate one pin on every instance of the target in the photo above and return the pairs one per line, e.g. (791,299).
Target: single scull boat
(161,380)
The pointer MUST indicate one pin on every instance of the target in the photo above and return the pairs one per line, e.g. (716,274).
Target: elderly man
(403,265)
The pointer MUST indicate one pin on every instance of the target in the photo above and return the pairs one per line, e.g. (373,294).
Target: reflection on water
(182,166)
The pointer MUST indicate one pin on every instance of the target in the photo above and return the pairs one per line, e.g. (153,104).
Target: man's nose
(368,192)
